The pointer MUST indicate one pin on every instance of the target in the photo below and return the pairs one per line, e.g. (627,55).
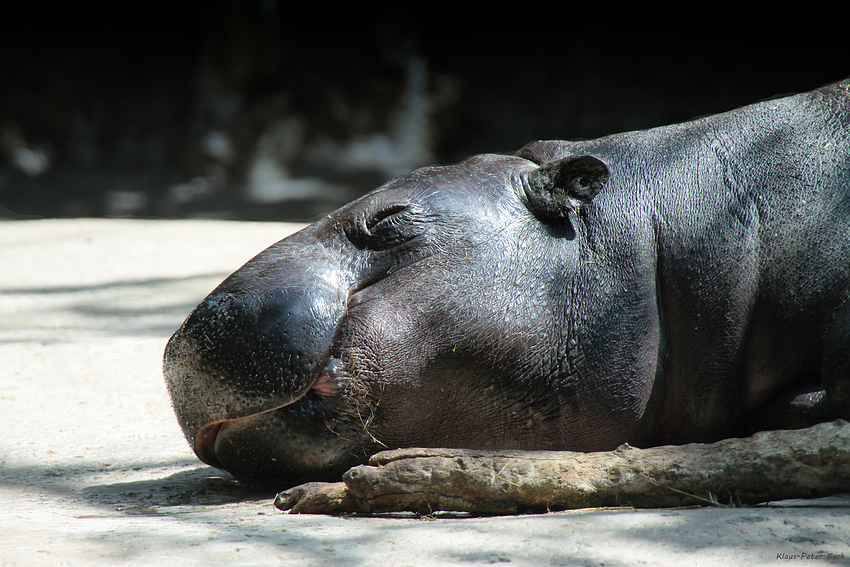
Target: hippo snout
(247,350)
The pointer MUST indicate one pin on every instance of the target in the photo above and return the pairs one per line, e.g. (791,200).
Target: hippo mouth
(205,443)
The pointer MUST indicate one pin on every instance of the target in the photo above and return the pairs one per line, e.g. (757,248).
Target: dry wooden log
(770,465)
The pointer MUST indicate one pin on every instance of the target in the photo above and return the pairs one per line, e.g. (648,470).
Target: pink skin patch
(324,386)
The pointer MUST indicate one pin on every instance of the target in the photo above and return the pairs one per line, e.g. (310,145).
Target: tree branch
(771,465)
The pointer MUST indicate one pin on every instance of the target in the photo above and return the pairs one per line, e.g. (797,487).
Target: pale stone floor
(94,470)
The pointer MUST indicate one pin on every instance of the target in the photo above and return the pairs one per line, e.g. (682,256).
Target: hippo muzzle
(251,352)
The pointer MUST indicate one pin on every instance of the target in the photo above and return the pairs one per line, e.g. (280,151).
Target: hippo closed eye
(684,283)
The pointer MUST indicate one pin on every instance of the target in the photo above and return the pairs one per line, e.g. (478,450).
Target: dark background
(247,110)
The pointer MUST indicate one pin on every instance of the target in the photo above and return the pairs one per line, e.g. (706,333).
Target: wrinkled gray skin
(679,284)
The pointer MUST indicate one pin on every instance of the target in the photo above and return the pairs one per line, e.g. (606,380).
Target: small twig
(711,500)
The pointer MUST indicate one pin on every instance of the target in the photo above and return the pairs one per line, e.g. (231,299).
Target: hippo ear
(565,185)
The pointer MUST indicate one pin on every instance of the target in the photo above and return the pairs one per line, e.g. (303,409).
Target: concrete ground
(94,470)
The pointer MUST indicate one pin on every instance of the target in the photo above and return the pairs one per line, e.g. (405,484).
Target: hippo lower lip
(205,444)
(207,438)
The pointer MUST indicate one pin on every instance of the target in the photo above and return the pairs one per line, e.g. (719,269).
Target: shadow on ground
(193,484)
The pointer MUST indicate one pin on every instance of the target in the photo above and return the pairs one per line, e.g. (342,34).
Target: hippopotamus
(685,283)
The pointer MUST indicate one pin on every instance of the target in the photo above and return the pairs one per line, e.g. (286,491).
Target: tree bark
(770,465)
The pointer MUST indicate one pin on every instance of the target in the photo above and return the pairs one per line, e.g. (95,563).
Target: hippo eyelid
(384,214)
(386,227)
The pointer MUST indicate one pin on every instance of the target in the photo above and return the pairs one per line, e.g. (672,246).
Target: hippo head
(430,312)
